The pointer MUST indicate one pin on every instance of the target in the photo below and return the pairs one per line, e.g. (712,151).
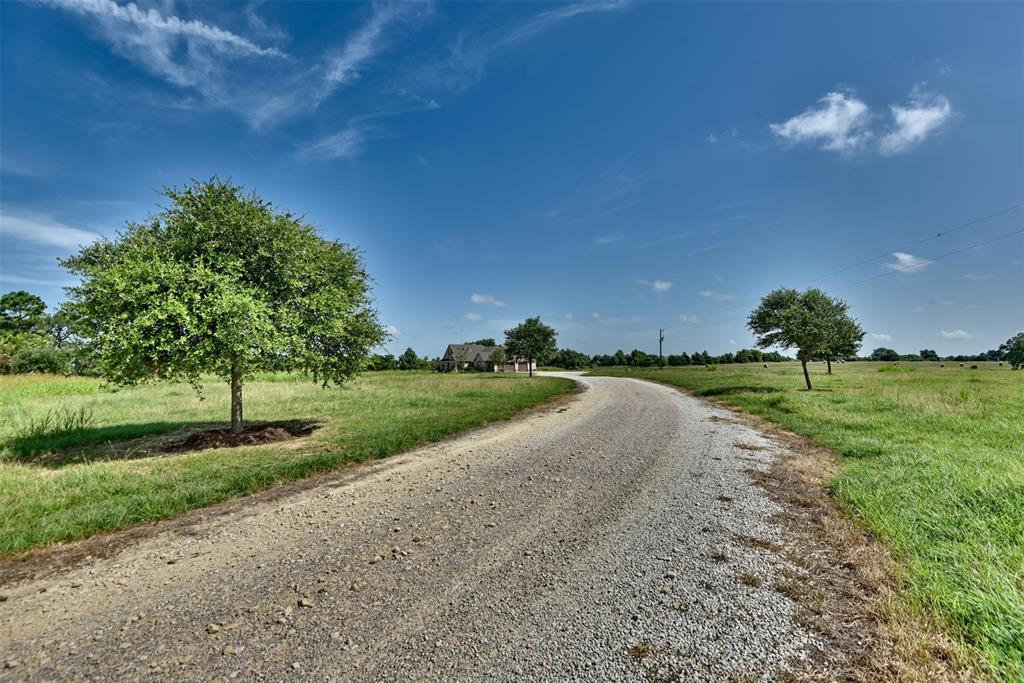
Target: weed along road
(604,538)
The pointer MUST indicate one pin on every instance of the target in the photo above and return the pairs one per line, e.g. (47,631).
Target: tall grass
(933,464)
(73,474)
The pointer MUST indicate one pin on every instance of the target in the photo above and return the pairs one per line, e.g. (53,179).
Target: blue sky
(614,167)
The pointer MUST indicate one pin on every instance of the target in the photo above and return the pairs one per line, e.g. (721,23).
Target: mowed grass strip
(92,485)
(933,463)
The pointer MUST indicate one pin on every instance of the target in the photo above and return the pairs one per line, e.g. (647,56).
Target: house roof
(469,352)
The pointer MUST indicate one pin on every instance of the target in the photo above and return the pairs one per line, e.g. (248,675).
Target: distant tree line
(883,353)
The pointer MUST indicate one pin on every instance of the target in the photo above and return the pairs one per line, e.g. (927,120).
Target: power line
(936,236)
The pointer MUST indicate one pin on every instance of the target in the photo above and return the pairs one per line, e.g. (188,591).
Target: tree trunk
(529,365)
(236,402)
(807,377)
(829,361)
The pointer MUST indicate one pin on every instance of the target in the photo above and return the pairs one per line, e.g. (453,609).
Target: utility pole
(661,342)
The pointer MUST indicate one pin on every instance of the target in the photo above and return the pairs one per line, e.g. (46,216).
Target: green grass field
(933,463)
(74,474)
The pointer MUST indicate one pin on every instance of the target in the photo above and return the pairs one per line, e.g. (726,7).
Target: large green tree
(1013,351)
(408,360)
(222,282)
(815,324)
(532,340)
(22,311)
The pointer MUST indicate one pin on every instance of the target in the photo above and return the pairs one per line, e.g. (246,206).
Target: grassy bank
(67,472)
(933,463)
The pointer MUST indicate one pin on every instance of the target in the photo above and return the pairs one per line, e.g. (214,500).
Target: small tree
(223,283)
(884,354)
(844,336)
(811,322)
(532,340)
(486,341)
(408,360)
(929,354)
(498,357)
(1013,351)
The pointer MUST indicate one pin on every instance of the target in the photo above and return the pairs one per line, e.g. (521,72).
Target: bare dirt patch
(251,435)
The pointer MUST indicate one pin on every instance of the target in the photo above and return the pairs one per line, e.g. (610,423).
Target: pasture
(932,463)
(77,458)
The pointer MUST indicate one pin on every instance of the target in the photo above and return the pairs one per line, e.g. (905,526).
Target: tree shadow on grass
(131,441)
(738,389)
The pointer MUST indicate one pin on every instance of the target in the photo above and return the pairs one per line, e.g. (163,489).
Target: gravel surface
(616,537)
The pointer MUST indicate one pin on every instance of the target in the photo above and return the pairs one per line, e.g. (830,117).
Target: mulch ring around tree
(251,435)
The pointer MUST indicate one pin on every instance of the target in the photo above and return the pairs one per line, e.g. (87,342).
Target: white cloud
(341,145)
(880,337)
(393,331)
(343,67)
(43,229)
(151,23)
(956,334)
(978,276)
(489,299)
(732,342)
(595,316)
(712,138)
(839,123)
(718,296)
(912,124)
(546,20)
(659,286)
(689,318)
(842,123)
(907,263)
(568,316)
(473,317)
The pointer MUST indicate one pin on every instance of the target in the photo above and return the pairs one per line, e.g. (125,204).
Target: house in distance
(479,358)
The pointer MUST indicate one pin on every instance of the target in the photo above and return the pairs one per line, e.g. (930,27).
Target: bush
(40,359)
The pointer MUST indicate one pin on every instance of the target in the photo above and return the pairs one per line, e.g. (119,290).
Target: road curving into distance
(614,537)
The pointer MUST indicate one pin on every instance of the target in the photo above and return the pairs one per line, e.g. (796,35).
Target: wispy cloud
(342,67)
(473,317)
(151,23)
(880,337)
(38,228)
(913,124)
(689,318)
(344,144)
(605,240)
(717,296)
(838,123)
(907,263)
(545,21)
(488,299)
(658,286)
(956,334)
(978,276)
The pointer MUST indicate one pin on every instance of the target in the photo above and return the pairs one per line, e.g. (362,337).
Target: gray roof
(469,352)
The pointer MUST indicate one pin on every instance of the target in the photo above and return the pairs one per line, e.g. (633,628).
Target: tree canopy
(532,340)
(222,282)
(815,324)
(1013,351)
(21,311)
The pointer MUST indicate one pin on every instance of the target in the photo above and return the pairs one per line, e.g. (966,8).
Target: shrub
(40,359)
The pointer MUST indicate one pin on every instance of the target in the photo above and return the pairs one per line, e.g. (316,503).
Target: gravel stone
(567,583)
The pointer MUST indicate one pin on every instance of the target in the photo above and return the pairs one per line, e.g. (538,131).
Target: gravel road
(614,537)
